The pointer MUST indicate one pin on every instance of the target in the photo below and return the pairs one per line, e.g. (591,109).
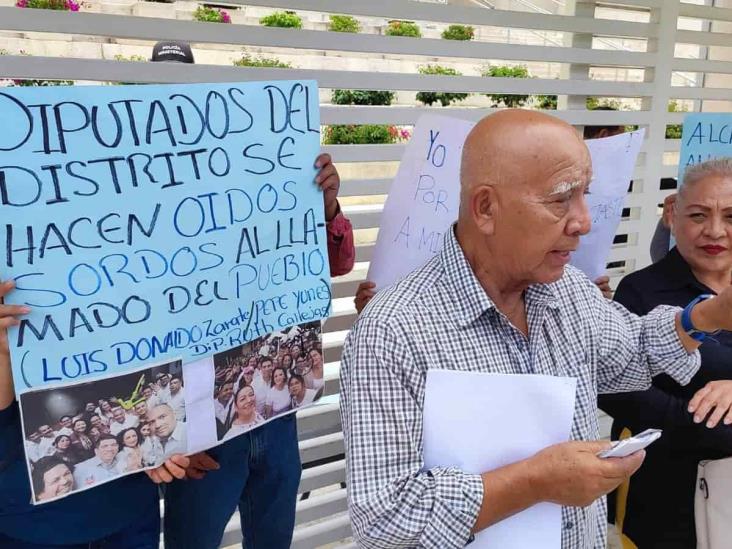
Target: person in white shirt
(103,466)
(149,395)
(262,383)
(163,391)
(301,396)
(247,417)
(45,443)
(140,409)
(148,444)
(104,411)
(314,378)
(171,433)
(222,403)
(65,429)
(121,420)
(32,446)
(278,396)
(177,399)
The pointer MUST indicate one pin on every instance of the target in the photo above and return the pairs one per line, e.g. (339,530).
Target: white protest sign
(520,415)
(613,161)
(423,200)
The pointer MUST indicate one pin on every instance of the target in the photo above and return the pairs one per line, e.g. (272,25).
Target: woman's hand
(8,317)
(173,468)
(714,397)
(603,283)
(200,464)
(329,182)
(366,291)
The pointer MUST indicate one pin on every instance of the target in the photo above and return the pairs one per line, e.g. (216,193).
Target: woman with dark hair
(299,393)
(52,478)
(246,416)
(104,411)
(64,451)
(130,457)
(287,362)
(278,396)
(82,445)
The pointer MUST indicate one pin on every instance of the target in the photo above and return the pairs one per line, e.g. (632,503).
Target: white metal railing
(322,518)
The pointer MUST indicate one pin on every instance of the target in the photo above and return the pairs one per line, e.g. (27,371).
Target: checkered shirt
(440,317)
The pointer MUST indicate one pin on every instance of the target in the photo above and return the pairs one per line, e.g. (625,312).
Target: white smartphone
(627,446)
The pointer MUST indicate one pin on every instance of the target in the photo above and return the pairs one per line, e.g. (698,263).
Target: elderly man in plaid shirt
(501,298)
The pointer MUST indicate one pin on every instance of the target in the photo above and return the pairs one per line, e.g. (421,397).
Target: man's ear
(483,201)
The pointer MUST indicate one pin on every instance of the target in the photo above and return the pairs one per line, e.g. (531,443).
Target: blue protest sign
(151,223)
(705,136)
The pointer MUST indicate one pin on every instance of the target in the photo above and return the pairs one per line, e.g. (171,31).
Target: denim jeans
(259,473)
(144,534)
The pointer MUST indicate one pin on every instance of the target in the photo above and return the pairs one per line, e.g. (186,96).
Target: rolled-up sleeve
(341,249)
(633,349)
(393,501)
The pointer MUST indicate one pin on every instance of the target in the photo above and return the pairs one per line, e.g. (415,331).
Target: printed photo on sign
(79,436)
(267,377)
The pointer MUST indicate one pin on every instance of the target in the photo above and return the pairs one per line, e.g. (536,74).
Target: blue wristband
(688,325)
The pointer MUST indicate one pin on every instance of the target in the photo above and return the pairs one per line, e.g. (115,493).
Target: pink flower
(405,134)
(21,3)
(72,6)
(225,17)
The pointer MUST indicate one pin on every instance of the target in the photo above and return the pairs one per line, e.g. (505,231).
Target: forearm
(7,395)
(506,491)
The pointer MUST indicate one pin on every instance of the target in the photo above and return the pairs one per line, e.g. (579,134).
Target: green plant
(120,57)
(211,15)
(283,19)
(673,131)
(267,62)
(458,32)
(367,134)
(362,97)
(444,98)
(546,102)
(507,71)
(593,103)
(403,28)
(343,23)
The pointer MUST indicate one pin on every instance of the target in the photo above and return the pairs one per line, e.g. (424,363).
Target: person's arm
(630,350)
(341,249)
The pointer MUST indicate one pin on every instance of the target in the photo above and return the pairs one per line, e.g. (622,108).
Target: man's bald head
(517,146)
(522,210)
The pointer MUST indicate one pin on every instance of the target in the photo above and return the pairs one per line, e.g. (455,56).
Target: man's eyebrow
(565,187)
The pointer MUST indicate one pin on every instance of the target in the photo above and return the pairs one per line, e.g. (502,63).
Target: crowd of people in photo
(109,437)
(266,378)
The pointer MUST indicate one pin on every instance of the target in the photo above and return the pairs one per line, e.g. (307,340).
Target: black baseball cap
(178,52)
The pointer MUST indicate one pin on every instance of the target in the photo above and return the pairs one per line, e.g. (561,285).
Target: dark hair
(55,442)
(592,132)
(283,370)
(240,389)
(121,436)
(43,466)
(78,420)
(297,377)
(62,417)
(265,359)
(103,438)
